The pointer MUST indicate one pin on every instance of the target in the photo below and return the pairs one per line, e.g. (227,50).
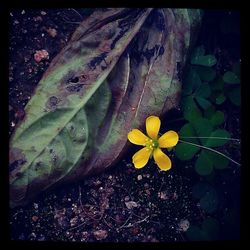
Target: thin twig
(72,228)
(67,21)
(77,13)
(123,225)
(137,222)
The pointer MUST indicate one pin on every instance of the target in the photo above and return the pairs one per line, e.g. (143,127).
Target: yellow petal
(141,157)
(153,124)
(137,137)
(168,140)
(162,160)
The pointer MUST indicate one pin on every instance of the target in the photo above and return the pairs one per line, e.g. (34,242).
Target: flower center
(151,144)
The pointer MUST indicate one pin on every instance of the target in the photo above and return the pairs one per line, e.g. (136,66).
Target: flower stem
(204,137)
(210,149)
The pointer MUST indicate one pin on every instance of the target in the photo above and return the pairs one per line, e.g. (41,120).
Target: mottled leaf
(119,67)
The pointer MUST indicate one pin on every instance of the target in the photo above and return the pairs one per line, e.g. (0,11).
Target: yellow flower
(152,144)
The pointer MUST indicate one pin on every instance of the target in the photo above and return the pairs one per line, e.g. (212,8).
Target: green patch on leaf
(231,78)
(217,118)
(234,96)
(208,60)
(206,74)
(203,165)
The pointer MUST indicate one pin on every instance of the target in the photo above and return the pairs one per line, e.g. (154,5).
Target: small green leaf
(208,113)
(203,128)
(203,91)
(219,162)
(206,74)
(205,104)
(218,84)
(234,96)
(192,81)
(213,142)
(220,99)
(231,78)
(203,165)
(217,118)
(190,110)
(186,151)
(209,201)
(208,60)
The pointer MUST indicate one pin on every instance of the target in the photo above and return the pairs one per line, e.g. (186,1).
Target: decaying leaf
(120,66)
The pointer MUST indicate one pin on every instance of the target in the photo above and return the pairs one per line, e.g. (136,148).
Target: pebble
(41,55)
(139,177)
(52,32)
(35,218)
(131,204)
(184,225)
(129,165)
(35,205)
(100,234)
(163,195)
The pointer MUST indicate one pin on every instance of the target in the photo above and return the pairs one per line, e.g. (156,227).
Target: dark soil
(122,204)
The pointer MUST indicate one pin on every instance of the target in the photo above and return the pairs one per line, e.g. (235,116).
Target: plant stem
(210,149)
(203,137)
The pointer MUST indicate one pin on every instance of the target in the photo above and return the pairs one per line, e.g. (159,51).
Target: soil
(122,204)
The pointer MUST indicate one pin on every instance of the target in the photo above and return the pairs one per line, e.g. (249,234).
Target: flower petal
(141,157)
(162,160)
(137,137)
(168,140)
(153,124)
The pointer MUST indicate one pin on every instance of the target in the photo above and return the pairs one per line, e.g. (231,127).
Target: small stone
(41,55)
(52,32)
(183,225)
(43,13)
(131,204)
(33,235)
(73,221)
(23,12)
(37,19)
(129,165)
(13,124)
(163,195)
(100,234)
(35,218)
(35,205)
(139,177)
